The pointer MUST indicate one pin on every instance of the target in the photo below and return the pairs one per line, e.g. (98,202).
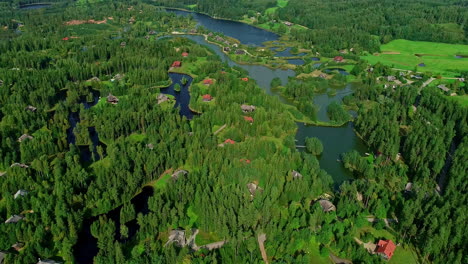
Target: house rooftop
(20,193)
(296,175)
(14,219)
(327,206)
(386,248)
(24,137)
(248,119)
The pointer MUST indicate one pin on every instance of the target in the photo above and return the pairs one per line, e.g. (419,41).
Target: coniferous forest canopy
(98,166)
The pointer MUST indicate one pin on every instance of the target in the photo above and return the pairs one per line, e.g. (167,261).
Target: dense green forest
(84,137)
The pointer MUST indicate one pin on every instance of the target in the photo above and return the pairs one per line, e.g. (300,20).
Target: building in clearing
(31,108)
(287,23)
(208,82)
(385,248)
(21,165)
(207,98)
(184,54)
(338,58)
(296,175)
(245,79)
(47,261)
(248,119)
(24,137)
(247,108)
(20,193)
(178,173)
(14,219)
(327,206)
(176,64)
(162,98)
(229,141)
(18,246)
(123,44)
(112,99)
(2,256)
(443,87)
(240,52)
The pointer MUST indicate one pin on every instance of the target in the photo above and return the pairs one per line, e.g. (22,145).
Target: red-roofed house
(385,248)
(338,58)
(207,98)
(245,79)
(249,119)
(65,38)
(184,54)
(229,141)
(247,161)
(207,82)
(177,64)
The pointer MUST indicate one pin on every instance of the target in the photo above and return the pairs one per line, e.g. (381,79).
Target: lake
(246,34)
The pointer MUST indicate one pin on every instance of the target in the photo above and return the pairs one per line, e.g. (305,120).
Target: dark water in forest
(246,34)
(86,247)
(34,6)
(86,153)
(339,70)
(182,97)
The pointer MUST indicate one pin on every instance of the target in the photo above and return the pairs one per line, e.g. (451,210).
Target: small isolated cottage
(253,188)
(207,98)
(123,44)
(24,137)
(245,79)
(327,206)
(177,236)
(247,108)
(20,193)
(227,49)
(178,173)
(65,38)
(296,175)
(2,256)
(248,119)
(385,248)
(184,54)
(47,261)
(150,146)
(31,108)
(443,87)
(422,65)
(229,141)
(338,58)
(287,23)
(21,165)
(14,219)
(176,64)
(240,52)
(162,98)
(208,82)
(391,78)
(18,246)
(112,99)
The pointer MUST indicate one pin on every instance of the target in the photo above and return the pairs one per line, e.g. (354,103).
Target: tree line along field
(439,58)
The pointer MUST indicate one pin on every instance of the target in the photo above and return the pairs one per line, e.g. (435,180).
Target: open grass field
(440,58)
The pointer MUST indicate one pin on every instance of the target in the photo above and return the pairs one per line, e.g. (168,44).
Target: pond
(339,70)
(86,153)
(286,53)
(245,33)
(183,97)
(296,61)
